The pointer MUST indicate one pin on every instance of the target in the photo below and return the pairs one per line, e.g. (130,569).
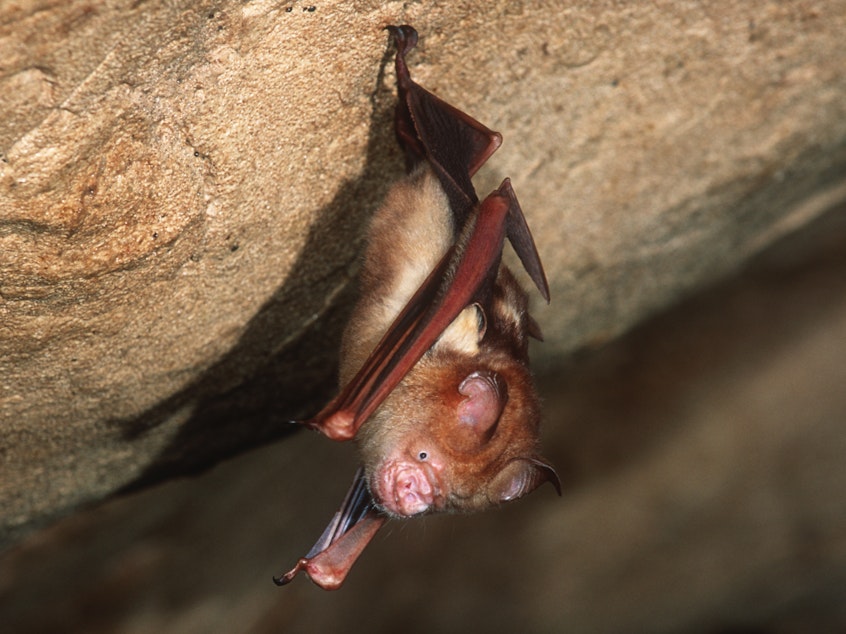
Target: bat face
(462,452)
(434,362)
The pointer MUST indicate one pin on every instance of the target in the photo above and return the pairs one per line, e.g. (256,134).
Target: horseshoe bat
(434,361)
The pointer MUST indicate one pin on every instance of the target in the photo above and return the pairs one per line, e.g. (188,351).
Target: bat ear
(520,477)
(485,396)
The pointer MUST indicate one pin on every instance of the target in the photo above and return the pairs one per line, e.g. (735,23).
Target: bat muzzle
(404,489)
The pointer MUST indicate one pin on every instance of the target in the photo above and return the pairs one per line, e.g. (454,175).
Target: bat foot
(404,35)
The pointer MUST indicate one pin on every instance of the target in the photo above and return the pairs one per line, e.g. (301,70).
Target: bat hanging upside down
(438,394)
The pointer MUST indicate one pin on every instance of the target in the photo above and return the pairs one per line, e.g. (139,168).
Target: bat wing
(351,529)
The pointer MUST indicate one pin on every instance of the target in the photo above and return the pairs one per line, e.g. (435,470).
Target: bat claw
(288,577)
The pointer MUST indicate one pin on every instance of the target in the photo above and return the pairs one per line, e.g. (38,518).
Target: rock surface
(184,186)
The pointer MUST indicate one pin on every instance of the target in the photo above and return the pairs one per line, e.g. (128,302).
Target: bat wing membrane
(351,529)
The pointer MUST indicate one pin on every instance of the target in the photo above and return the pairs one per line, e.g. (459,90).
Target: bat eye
(422,456)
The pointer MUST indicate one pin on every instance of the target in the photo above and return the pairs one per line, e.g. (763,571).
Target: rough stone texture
(183,187)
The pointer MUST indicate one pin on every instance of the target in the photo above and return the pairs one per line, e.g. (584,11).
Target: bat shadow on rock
(272,375)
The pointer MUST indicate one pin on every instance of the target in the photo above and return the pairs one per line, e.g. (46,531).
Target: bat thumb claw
(288,577)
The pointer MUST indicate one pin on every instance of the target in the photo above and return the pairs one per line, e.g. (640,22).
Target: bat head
(455,435)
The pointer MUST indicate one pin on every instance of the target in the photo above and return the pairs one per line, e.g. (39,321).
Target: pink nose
(413,493)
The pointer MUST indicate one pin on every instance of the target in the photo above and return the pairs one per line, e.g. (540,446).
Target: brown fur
(408,235)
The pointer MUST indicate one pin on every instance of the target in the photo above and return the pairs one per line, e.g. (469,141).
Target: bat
(434,360)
